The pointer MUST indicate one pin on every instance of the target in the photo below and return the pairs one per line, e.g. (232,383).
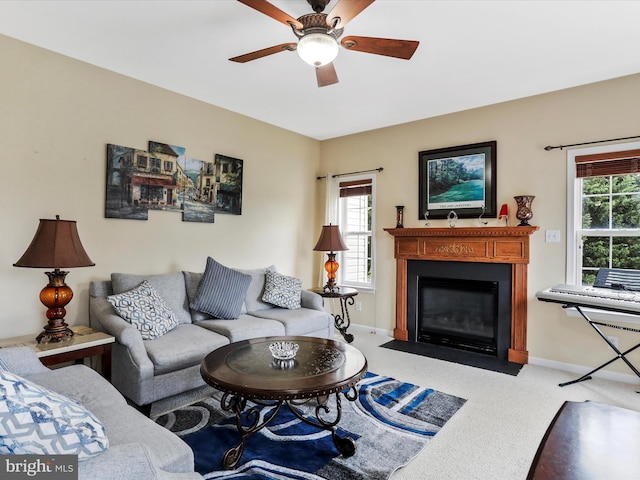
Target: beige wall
(56,117)
(522,129)
(58,114)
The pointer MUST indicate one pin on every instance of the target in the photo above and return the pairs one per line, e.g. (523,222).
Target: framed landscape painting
(462,179)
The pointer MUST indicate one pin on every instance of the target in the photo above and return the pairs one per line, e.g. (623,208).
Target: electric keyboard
(625,301)
(614,290)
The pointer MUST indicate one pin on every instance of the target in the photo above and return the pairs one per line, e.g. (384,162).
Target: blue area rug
(390,422)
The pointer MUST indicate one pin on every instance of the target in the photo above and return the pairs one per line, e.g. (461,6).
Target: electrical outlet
(358,306)
(552,236)
(613,339)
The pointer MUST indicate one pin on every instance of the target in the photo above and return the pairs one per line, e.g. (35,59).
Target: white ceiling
(471,53)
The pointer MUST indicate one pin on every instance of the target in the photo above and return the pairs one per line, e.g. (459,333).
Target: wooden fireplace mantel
(468,244)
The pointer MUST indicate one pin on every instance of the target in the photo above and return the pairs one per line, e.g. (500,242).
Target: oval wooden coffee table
(246,371)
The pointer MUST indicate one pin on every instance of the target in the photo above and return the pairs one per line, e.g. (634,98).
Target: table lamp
(330,241)
(55,245)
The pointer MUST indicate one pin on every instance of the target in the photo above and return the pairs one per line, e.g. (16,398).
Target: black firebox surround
(487,272)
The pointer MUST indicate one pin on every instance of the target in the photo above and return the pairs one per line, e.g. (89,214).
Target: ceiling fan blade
(326,75)
(345,11)
(272,11)
(247,57)
(381,46)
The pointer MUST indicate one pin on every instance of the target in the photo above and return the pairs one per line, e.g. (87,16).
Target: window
(155,165)
(604,210)
(141,161)
(356,214)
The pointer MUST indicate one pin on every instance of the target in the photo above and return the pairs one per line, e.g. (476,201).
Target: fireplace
(461,305)
(491,261)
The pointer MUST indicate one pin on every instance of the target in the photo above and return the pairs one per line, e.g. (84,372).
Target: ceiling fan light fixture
(318,49)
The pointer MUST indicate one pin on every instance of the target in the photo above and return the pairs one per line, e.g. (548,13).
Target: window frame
(362,287)
(155,165)
(573,272)
(142,161)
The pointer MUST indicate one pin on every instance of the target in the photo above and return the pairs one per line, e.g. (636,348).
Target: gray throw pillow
(221,291)
(282,290)
(191,281)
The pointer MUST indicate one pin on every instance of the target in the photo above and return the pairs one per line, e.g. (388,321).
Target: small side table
(85,343)
(342,320)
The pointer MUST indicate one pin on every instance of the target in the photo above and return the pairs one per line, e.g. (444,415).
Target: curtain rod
(549,147)
(379,169)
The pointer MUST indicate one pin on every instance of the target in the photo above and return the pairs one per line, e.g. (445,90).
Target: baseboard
(581,370)
(369,329)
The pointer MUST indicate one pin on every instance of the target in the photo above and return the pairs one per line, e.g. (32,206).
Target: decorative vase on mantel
(400,216)
(524,213)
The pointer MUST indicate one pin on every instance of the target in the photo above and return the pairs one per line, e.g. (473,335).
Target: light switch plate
(552,236)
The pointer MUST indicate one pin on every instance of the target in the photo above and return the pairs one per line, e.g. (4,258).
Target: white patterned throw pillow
(145,309)
(37,421)
(282,290)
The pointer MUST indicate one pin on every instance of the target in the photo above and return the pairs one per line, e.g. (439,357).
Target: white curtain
(331,200)
(330,217)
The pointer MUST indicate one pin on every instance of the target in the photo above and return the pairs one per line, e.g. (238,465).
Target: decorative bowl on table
(283,350)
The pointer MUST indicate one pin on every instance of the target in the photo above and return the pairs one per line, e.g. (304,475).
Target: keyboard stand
(619,355)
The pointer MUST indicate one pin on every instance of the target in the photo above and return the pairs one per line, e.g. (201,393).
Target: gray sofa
(146,371)
(139,449)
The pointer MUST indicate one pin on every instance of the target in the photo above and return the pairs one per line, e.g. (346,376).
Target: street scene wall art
(228,193)
(164,178)
(189,171)
(460,179)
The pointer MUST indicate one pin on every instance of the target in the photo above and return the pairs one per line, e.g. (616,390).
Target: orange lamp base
(331,266)
(55,296)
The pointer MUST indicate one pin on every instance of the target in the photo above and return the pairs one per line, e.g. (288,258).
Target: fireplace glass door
(458,313)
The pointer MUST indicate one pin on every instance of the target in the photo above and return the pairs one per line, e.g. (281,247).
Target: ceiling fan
(318,35)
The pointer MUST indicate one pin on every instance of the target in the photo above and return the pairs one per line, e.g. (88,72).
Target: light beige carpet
(497,432)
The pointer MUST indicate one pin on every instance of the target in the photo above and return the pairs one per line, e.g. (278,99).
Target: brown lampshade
(56,244)
(330,240)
